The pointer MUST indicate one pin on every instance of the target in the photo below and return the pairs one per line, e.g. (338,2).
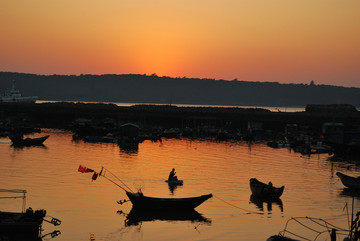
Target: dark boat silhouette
(142,202)
(19,141)
(260,189)
(349,181)
(24,225)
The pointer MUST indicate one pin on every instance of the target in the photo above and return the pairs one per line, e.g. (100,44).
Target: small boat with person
(260,189)
(172,179)
(349,181)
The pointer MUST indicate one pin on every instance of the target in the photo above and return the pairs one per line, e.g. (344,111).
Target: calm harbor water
(88,209)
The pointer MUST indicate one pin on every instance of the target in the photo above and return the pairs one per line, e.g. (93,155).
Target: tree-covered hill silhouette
(135,88)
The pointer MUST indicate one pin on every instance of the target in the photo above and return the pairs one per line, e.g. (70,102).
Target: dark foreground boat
(280,238)
(16,141)
(263,190)
(142,202)
(26,223)
(348,181)
(135,217)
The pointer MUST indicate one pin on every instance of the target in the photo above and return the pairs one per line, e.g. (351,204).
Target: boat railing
(315,227)
(19,191)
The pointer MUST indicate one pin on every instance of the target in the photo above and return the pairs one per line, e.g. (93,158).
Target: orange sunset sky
(288,41)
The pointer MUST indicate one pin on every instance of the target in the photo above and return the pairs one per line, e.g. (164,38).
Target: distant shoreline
(271,108)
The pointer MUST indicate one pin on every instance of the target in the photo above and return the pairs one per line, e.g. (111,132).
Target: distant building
(129,130)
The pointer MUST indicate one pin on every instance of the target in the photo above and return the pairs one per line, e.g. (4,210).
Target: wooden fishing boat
(28,141)
(348,181)
(260,189)
(142,202)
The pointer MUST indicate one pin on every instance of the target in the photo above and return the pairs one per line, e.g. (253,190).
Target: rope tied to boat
(246,210)
(117,178)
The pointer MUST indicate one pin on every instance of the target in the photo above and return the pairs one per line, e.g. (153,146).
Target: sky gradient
(287,41)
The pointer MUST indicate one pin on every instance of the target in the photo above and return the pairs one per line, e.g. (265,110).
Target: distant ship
(14,95)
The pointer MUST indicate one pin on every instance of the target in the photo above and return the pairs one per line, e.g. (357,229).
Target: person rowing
(172,176)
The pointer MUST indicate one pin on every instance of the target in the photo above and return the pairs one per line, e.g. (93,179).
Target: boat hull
(142,202)
(28,223)
(348,181)
(29,141)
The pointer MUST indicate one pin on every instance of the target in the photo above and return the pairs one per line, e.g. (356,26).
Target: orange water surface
(88,209)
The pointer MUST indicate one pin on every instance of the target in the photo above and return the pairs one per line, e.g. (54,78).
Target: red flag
(81,169)
(94,176)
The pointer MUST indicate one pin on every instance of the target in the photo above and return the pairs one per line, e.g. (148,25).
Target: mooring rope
(249,211)
(118,180)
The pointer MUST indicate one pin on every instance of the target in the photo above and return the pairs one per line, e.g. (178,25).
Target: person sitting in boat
(172,176)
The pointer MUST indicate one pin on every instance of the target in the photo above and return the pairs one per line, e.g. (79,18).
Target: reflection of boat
(278,144)
(260,189)
(26,223)
(348,181)
(350,192)
(137,216)
(320,148)
(19,141)
(173,187)
(14,95)
(142,202)
(259,202)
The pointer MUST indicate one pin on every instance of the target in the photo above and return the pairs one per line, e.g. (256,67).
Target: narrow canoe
(260,189)
(348,181)
(142,202)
